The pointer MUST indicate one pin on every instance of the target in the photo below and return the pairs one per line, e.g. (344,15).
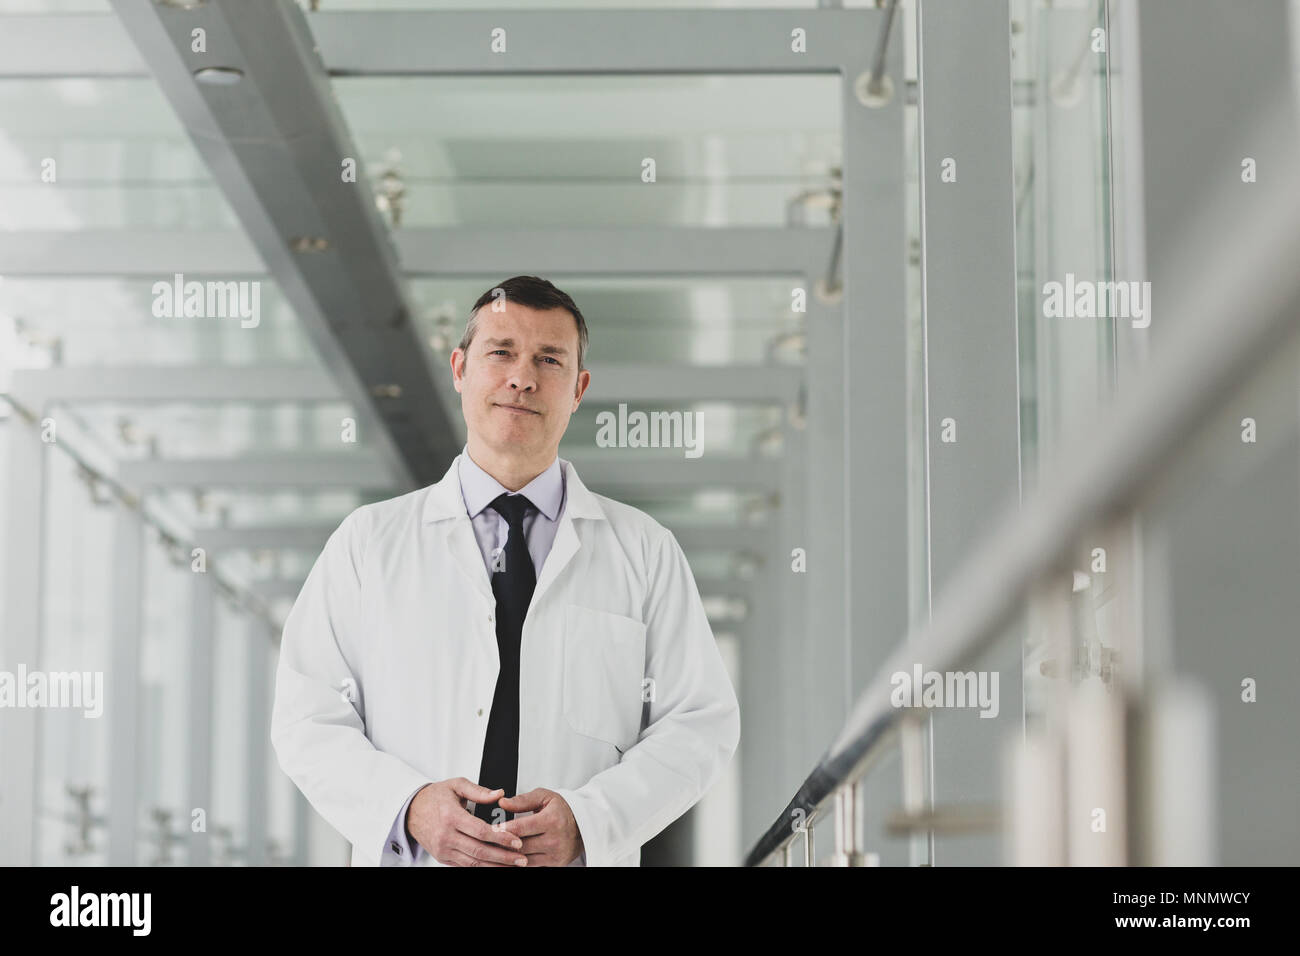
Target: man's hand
(550,834)
(440,821)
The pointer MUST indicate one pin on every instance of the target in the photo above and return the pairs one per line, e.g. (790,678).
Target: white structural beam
(36,388)
(760,251)
(346,471)
(155,254)
(272,589)
(971,359)
(611,381)
(257,700)
(872,389)
(628,382)
(122,685)
(606,251)
(313,538)
(280,471)
(458,42)
(199,714)
(601,470)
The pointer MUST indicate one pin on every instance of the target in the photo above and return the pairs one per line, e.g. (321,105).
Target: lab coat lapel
(563,549)
(444,510)
(579,503)
(464,548)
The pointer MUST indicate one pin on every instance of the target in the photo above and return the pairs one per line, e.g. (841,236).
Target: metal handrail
(1250,276)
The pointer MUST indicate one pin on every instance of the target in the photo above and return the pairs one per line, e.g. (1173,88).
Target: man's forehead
(507,342)
(527,324)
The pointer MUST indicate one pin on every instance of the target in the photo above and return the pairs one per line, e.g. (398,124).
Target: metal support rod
(200,715)
(912,734)
(848,826)
(882,44)
(123,687)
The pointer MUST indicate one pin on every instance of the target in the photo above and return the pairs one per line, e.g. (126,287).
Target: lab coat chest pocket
(604,663)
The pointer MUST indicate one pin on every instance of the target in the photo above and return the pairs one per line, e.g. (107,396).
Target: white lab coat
(388,664)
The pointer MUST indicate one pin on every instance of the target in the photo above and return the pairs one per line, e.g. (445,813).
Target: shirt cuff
(398,850)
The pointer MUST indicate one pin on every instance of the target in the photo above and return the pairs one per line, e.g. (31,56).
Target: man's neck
(513,473)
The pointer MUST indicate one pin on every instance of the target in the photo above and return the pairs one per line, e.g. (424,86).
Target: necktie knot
(512,508)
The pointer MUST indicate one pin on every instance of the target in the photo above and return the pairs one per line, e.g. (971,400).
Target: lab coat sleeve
(318,719)
(692,730)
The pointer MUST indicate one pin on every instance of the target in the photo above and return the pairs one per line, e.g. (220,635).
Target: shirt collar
(479,489)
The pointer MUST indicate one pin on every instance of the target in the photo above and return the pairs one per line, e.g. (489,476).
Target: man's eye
(498,352)
(550,359)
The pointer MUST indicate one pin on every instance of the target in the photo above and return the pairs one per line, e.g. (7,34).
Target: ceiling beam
(613,381)
(306,537)
(459,42)
(37,388)
(685,251)
(309,471)
(489,251)
(276,143)
(598,469)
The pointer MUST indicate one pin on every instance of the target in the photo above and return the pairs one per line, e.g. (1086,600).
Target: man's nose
(522,378)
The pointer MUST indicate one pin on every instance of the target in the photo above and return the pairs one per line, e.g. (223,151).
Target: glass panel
(644,320)
(72,788)
(228,815)
(164,812)
(514,159)
(121,159)
(55,6)
(227,431)
(86,322)
(1063,227)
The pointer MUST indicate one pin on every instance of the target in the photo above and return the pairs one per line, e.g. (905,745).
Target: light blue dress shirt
(479,489)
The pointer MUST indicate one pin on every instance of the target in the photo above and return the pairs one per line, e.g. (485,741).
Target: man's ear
(457,371)
(584,380)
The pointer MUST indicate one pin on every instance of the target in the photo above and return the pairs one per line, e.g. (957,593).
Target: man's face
(519,383)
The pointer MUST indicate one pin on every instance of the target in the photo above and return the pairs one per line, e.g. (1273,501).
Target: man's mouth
(518,409)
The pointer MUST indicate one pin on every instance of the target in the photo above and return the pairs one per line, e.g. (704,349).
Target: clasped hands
(439,820)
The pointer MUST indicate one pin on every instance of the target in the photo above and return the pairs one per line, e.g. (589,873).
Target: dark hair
(535,293)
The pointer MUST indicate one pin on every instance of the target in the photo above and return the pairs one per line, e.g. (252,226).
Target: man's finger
(486,852)
(460,858)
(484,832)
(532,800)
(530,825)
(473,791)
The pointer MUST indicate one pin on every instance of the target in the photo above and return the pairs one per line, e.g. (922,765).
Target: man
(504,640)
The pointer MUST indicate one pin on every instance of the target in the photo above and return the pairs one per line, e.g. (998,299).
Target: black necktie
(513,587)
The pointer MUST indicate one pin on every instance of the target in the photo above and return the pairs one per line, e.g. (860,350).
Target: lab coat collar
(545,492)
(443,499)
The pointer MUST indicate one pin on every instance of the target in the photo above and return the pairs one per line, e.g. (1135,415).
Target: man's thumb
(476,793)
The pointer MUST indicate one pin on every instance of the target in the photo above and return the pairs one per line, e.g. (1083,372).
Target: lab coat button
(480,711)
(489,618)
(395,847)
